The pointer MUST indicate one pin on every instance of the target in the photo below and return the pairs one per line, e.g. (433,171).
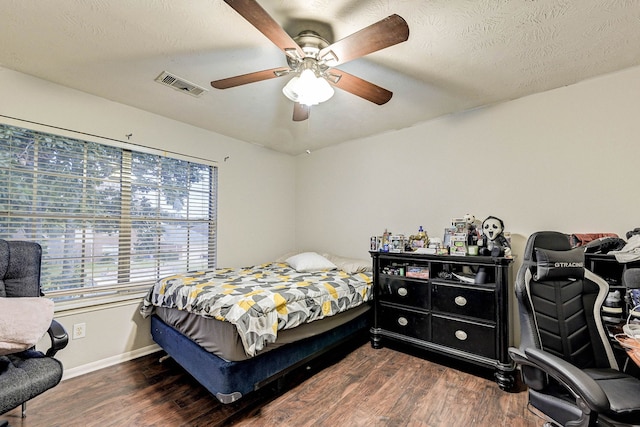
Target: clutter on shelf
(465,236)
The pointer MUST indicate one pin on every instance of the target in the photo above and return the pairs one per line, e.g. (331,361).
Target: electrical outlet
(79,330)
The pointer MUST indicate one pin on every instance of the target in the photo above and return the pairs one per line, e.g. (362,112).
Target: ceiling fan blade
(259,18)
(387,32)
(244,79)
(359,87)
(300,112)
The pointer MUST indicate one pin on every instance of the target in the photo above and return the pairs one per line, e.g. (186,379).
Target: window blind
(110,220)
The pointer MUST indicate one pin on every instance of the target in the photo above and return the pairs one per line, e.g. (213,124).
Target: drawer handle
(402,321)
(461,335)
(402,292)
(461,301)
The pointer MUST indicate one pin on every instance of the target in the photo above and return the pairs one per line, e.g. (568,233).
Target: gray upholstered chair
(26,374)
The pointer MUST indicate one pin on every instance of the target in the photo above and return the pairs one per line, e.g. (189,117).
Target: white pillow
(309,262)
(350,265)
(23,321)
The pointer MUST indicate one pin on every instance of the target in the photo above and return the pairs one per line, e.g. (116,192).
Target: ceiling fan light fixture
(308,88)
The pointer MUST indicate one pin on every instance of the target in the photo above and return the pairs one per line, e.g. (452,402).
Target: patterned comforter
(260,300)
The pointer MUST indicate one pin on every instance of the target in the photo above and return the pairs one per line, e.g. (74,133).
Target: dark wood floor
(367,387)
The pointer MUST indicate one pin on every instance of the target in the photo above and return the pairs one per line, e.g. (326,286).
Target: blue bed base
(229,381)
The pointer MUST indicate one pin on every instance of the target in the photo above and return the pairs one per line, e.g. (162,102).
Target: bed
(236,330)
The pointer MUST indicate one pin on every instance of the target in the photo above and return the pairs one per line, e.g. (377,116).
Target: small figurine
(419,241)
(472,229)
(497,244)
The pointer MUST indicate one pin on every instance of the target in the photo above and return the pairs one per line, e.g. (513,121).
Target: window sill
(85,305)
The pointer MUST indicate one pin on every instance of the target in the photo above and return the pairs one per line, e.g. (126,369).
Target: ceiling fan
(311,59)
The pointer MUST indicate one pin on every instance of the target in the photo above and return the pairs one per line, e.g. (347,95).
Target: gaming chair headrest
(553,240)
(549,256)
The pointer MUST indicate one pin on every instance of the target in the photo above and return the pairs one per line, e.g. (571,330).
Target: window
(111,221)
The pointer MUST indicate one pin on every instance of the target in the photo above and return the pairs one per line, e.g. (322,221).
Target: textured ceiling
(461,54)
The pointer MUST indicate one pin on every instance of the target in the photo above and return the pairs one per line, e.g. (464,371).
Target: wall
(560,160)
(251,176)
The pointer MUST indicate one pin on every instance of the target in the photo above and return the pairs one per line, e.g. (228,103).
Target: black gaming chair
(565,355)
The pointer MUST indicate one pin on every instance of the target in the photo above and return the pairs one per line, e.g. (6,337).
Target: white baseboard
(110,361)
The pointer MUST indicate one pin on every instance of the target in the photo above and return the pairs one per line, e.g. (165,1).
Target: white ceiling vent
(180,84)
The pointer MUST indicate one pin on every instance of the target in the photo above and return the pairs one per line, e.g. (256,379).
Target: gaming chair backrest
(559,302)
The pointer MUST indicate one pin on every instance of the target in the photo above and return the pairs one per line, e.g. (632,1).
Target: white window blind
(110,220)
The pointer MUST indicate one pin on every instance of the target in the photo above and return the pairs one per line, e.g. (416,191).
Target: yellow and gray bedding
(261,300)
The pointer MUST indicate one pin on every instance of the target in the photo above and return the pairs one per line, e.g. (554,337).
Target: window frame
(124,289)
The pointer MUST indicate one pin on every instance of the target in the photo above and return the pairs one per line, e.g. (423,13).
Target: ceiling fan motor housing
(311,43)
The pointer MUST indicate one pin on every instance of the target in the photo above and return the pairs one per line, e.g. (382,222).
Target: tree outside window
(106,217)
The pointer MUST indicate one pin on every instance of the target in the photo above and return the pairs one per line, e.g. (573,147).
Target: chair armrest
(59,338)
(519,357)
(575,379)
(534,377)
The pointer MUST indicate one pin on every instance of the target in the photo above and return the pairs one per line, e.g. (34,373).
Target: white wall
(256,209)
(561,160)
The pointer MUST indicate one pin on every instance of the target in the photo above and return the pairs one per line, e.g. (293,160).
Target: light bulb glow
(308,88)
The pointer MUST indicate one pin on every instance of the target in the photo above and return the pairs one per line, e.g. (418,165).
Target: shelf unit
(608,267)
(444,310)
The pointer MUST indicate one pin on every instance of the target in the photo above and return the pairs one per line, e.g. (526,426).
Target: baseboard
(110,361)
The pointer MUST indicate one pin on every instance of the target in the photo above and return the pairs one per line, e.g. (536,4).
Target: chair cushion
(622,390)
(25,375)
(23,321)
(554,265)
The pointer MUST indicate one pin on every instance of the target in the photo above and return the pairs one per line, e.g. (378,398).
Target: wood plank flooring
(367,387)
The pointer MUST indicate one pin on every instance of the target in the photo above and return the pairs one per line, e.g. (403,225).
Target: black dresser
(453,305)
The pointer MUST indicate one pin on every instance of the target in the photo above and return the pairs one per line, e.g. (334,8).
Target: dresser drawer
(466,336)
(399,290)
(464,301)
(406,322)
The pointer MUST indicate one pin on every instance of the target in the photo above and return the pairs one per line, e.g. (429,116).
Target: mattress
(258,303)
(221,338)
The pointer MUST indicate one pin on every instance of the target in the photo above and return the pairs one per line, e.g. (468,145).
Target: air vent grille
(180,84)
